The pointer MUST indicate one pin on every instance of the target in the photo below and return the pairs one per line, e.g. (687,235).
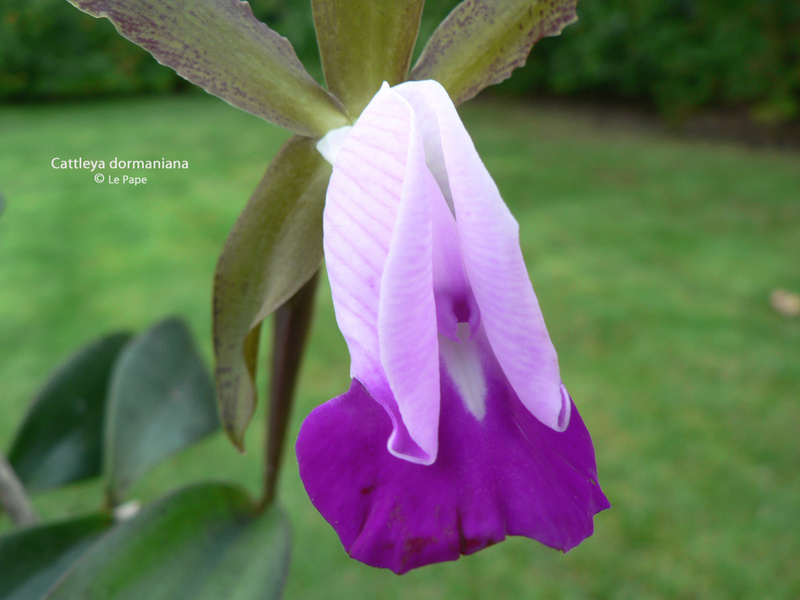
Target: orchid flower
(457,429)
(275,247)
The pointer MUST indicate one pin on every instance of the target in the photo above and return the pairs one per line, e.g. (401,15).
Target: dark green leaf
(32,560)
(274,248)
(364,43)
(482,41)
(161,399)
(201,543)
(60,440)
(220,46)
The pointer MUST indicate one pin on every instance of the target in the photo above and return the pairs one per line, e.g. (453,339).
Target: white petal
(462,359)
(331,143)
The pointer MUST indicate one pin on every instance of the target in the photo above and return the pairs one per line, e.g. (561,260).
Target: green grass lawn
(653,259)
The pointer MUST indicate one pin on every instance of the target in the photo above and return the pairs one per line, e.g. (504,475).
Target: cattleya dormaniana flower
(457,429)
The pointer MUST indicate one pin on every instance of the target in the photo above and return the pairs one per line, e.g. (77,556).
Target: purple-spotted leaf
(274,248)
(482,41)
(364,43)
(203,542)
(34,558)
(220,46)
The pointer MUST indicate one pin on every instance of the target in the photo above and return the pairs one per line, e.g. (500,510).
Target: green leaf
(60,440)
(220,46)
(203,543)
(161,399)
(364,43)
(33,559)
(482,41)
(274,248)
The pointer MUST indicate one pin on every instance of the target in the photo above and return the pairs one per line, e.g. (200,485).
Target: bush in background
(49,49)
(679,55)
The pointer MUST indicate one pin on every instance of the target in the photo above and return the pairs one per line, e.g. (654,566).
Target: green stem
(292,324)
(13,497)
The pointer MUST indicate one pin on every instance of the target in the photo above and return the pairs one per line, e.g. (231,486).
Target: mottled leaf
(161,399)
(32,559)
(220,46)
(203,542)
(274,248)
(60,439)
(482,41)
(364,43)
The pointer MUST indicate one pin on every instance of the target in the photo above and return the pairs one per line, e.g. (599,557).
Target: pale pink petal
(371,172)
(360,213)
(490,248)
(407,314)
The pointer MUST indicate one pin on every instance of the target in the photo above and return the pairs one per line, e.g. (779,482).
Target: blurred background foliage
(676,55)
(654,258)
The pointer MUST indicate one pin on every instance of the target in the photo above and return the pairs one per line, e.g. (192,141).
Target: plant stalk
(13,497)
(291,327)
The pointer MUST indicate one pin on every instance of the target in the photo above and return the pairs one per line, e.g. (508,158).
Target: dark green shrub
(679,55)
(49,49)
